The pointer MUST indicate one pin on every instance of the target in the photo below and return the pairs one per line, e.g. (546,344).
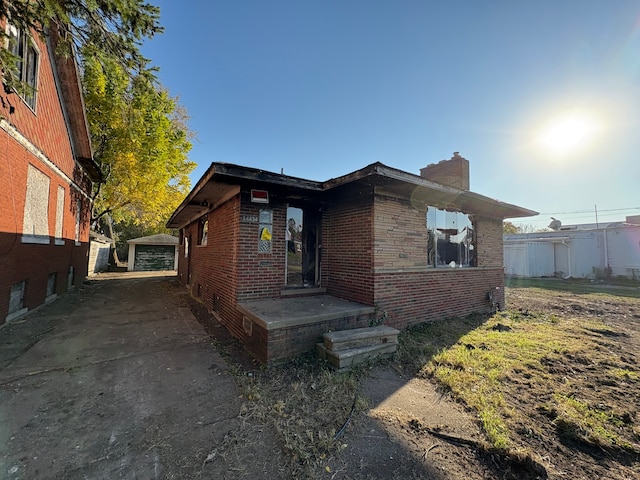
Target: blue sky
(322,88)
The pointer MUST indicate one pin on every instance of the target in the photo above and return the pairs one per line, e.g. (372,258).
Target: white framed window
(450,239)
(35,226)
(59,215)
(26,69)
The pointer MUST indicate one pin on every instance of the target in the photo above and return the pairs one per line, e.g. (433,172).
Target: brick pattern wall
(46,127)
(46,131)
(261,275)
(230,269)
(373,252)
(214,267)
(274,346)
(34,262)
(400,234)
(453,172)
(411,293)
(347,249)
(489,242)
(410,298)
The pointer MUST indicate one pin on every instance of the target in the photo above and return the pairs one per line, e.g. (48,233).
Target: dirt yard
(404,425)
(568,413)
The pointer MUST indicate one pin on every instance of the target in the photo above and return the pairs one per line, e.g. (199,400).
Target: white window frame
(21,44)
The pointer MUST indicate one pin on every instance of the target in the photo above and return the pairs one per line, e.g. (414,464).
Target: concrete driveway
(116,380)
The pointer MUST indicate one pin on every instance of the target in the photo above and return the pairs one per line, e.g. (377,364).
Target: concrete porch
(278,329)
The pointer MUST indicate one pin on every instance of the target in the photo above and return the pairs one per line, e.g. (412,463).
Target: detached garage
(155,252)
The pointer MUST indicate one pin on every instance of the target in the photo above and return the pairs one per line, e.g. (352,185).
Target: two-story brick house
(376,242)
(46,170)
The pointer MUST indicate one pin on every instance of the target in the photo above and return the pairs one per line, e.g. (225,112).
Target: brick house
(281,260)
(46,173)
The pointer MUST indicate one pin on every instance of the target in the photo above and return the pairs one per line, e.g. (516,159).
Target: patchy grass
(618,286)
(307,404)
(517,356)
(554,379)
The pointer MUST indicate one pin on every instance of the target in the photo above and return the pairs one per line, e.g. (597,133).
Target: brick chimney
(453,172)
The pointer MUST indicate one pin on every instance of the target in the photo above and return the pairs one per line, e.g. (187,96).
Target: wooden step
(360,337)
(354,356)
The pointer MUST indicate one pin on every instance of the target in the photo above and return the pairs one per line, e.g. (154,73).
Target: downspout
(606,250)
(568,258)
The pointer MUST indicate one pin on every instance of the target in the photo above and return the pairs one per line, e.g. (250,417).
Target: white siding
(623,247)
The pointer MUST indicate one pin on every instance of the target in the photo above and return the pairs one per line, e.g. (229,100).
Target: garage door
(154,257)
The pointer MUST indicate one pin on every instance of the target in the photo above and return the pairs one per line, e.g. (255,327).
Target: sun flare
(568,134)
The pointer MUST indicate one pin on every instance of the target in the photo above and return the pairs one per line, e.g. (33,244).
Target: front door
(302,260)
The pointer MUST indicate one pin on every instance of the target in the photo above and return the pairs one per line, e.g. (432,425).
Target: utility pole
(596,209)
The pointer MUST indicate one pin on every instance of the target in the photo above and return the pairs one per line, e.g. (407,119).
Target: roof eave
(230,174)
(492,208)
(68,80)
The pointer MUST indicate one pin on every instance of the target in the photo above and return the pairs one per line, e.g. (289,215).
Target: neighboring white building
(155,252)
(577,251)
(99,253)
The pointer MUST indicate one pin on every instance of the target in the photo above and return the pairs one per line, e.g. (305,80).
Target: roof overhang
(423,192)
(223,181)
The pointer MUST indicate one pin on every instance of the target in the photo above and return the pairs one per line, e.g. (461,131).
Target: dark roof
(222,181)
(93,235)
(68,81)
(158,239)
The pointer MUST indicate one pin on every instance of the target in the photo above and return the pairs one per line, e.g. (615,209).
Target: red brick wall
(45,129)
(34,262)
(214,266)
(347,249)
(261,275)
(489,244)
(411,293)
(373,252)
(453,172)
(277,345)
(409,298)
(400,234)
(230,265)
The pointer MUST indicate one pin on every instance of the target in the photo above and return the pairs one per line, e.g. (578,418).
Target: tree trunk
(112,236)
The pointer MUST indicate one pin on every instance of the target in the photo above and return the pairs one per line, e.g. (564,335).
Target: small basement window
(16,301)
(51,284)
(451,239)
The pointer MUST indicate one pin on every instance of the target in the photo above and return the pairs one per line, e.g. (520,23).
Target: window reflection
(450,237)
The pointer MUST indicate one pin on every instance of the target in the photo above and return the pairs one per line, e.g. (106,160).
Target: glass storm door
(302,257)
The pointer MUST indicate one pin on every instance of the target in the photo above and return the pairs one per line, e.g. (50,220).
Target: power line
(591,211)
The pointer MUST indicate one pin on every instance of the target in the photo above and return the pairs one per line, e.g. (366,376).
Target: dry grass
(307,404)
(538,379)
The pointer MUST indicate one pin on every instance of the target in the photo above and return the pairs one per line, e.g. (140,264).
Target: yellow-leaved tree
(140,141)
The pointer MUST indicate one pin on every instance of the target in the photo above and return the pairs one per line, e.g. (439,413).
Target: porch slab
(279,313)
